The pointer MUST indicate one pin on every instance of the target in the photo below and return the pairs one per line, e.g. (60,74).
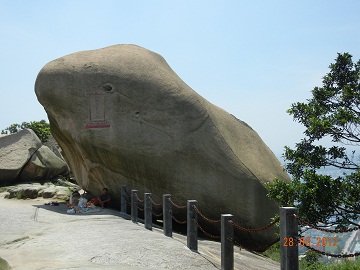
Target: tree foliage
(332,113)
(311,259)
(41,129)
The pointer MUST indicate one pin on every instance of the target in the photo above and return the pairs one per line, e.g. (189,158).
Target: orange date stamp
(306,241)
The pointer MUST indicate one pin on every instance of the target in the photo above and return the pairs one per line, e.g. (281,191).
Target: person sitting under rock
(74,198)
(104,198)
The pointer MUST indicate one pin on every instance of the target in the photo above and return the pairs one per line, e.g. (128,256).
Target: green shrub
(273,252)
(19,195)
(41,129)
(343,265)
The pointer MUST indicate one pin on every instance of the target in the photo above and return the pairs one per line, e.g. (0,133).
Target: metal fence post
(134,208)
(227,245)
(192,230)
(289,253)
(123,197)
(167,214)
(148,211)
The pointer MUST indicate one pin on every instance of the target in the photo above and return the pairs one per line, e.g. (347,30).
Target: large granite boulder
(24,158)
(123,117)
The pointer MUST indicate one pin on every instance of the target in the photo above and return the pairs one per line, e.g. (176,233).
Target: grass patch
(343,265)
(19,195)
(274,254)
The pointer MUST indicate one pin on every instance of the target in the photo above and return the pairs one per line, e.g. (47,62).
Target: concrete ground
(37,236)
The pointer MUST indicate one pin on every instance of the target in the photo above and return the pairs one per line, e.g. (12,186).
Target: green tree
(332,113)
(11,129)
(311,260)
(41,129)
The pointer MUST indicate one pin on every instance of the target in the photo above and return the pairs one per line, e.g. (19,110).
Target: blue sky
(252,58)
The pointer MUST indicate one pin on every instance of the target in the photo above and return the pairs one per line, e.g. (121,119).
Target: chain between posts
(258,248)
(177,206)
(154,203)
(157,215)
(334,255)
(137,197)
(137,205)
(237,226)
(177,221)
(207,219)
(304,222)
(206,233)
(127,198)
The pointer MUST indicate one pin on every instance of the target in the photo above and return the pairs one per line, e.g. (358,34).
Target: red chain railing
(157,215)
(257,248)
(154,203)
(207,219)
(304,222)
(334,255)
(237,226)
(206,233)
(137,197)
(178,221)
(177,206)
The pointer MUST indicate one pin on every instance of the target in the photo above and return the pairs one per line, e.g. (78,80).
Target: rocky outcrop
(43,164)
(23,157)
(15,151)
(59,189)
(122,116)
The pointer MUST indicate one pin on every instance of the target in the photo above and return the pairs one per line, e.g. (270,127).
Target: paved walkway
(37,236)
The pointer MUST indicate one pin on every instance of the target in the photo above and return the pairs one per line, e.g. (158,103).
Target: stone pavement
(37,236)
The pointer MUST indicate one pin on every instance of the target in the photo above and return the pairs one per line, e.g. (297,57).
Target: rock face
(123,117)
(15,151)
(44,164)
(60,189)
(4,265)
(23,157)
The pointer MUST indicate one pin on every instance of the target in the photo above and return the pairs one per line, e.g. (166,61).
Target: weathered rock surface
(60,190)
(4,265)
(15,151)
(122,116)
(23,157)
(44,164)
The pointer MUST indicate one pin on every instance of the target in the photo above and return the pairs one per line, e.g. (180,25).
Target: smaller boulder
(35,190)
(30,193)
(15,151)
(44,164)
(25,191)
(23,157)
(62,193)
(49,192)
